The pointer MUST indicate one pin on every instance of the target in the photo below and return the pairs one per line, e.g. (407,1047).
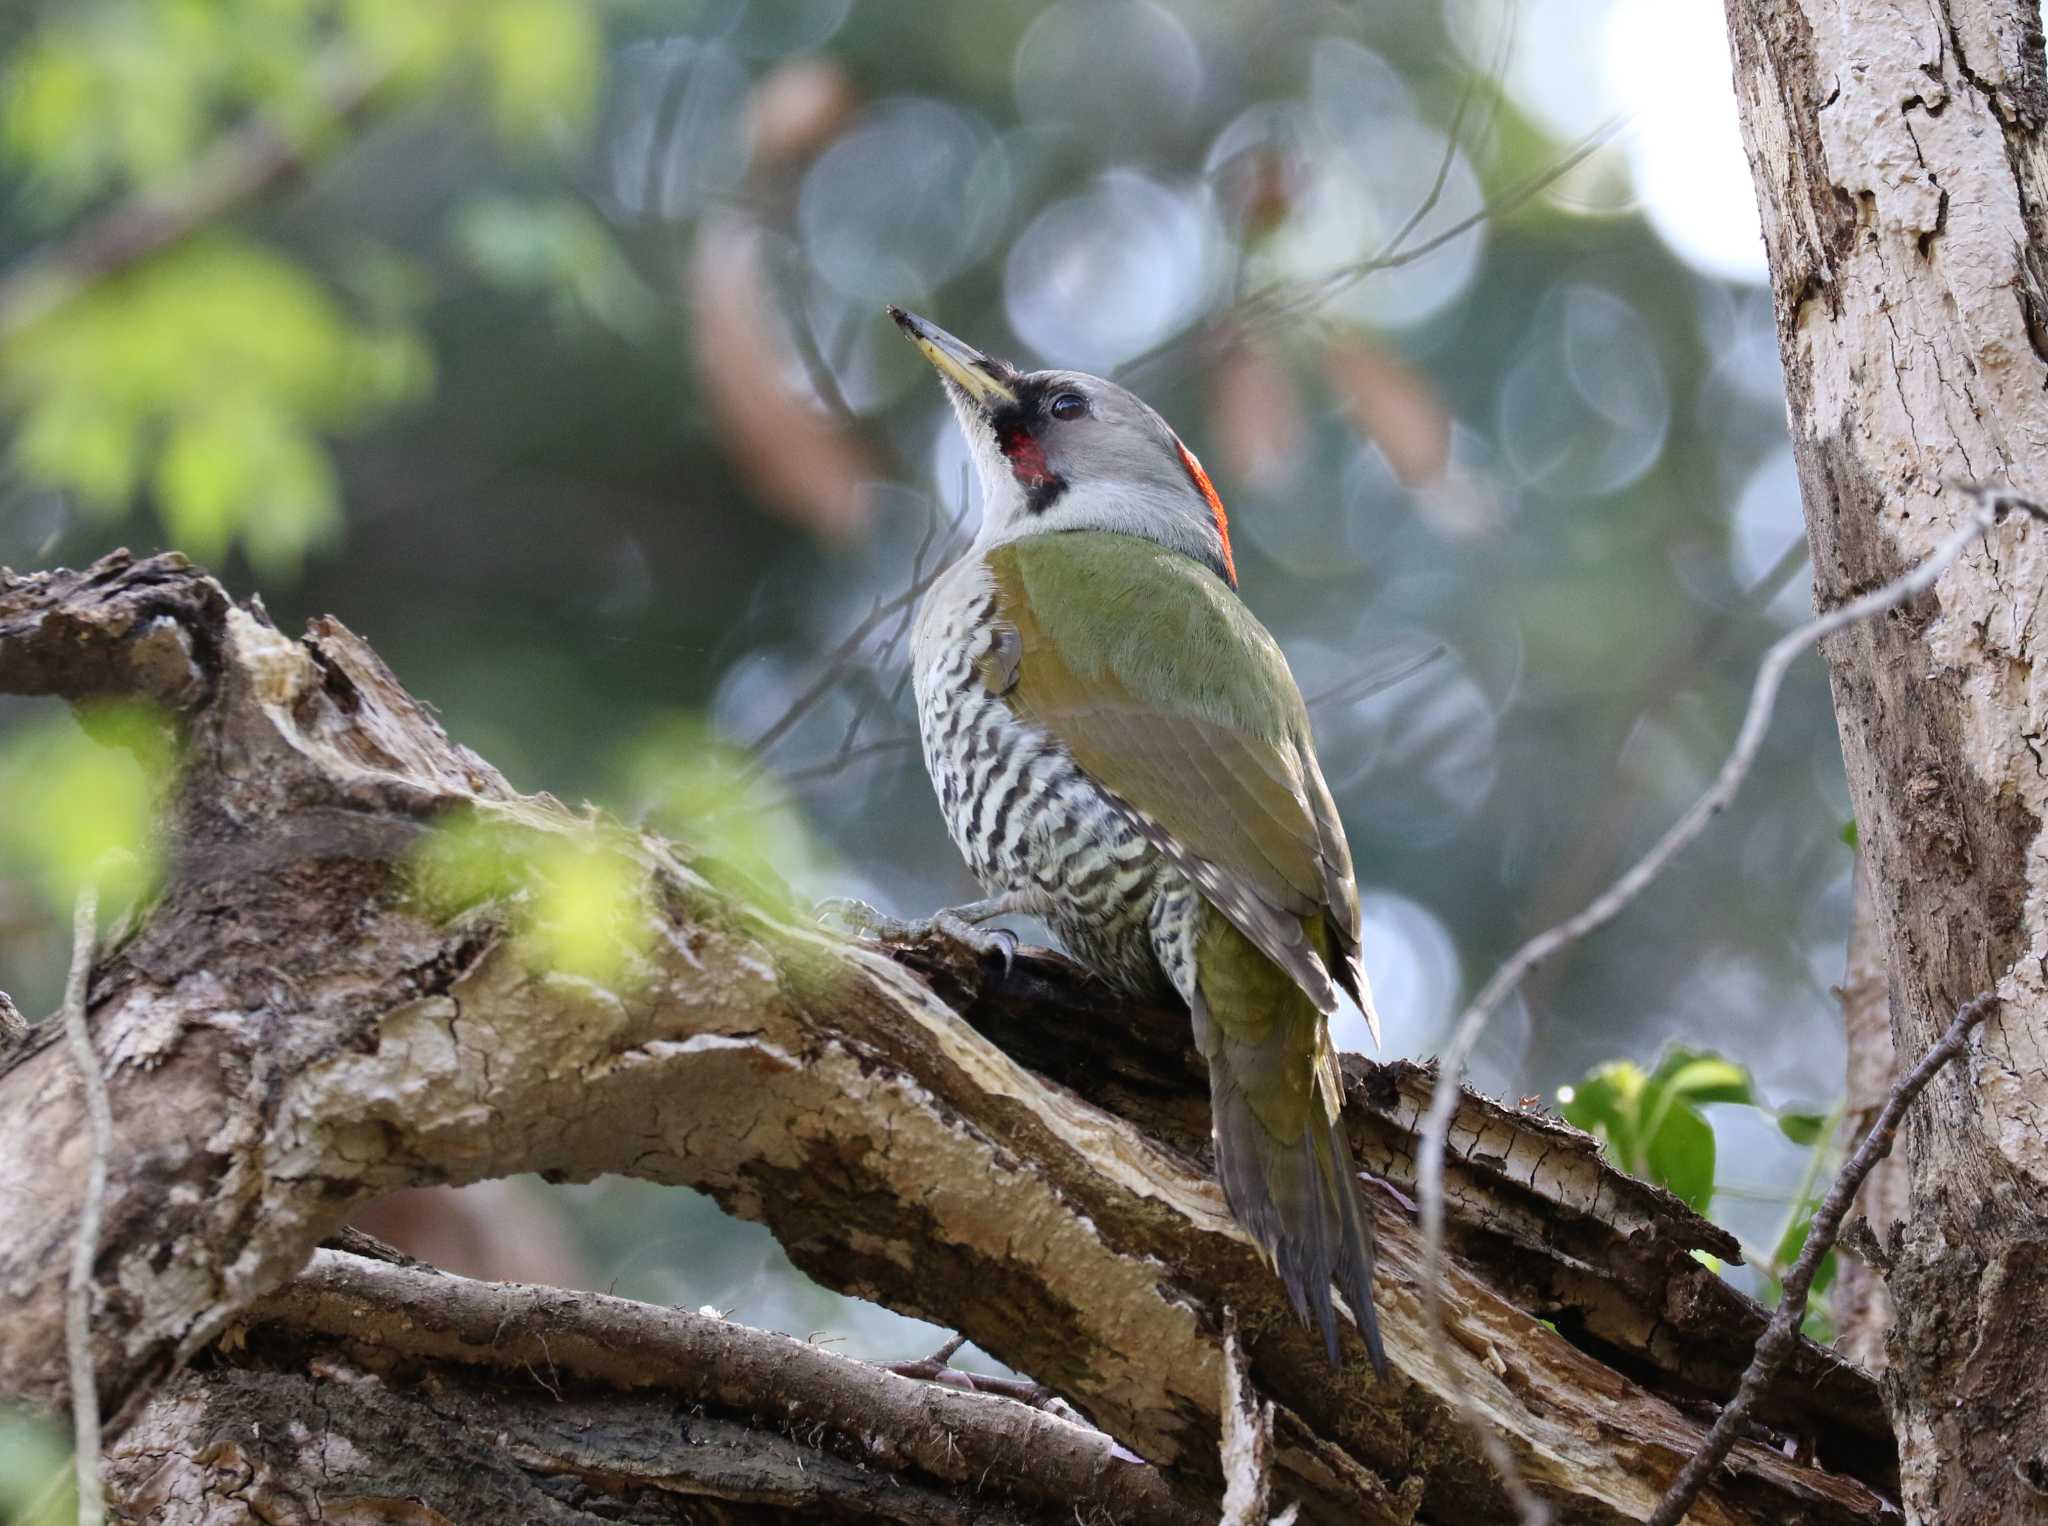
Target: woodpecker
(1119,749)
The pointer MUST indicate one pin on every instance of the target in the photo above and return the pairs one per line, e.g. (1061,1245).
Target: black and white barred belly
(1024,815)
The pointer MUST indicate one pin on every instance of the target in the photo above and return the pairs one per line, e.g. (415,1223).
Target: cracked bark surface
(1897,153)
(289,1034)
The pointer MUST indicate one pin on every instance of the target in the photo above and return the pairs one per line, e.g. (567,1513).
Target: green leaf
(1680,1155)
(1803,1128)
(234,359)
(1701,1076)
(1793,1242)
(575,899)
(1605,1103)
(1849,833)
(689,785)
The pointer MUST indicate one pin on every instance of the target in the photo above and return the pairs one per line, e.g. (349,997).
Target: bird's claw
(998,942)
(858,917)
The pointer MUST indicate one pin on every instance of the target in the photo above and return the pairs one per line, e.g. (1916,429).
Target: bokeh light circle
(1768,525)
(1685,142)
(903,201)
(1585,409)
(1122,77)
(1413,965)
(672,134)
(1101,277)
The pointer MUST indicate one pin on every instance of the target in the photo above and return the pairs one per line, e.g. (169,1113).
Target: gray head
(1063,450)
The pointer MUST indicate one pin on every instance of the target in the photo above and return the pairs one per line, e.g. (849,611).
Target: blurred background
(543,343)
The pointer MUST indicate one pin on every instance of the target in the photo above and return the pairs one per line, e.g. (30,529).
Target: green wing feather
(1174,698)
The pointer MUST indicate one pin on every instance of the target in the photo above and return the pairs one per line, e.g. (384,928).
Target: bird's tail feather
(1299,1200)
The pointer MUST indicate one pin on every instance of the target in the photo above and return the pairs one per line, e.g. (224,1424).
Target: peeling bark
(290,1034)
(1897,154)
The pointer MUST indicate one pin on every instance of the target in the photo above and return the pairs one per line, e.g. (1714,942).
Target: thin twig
(1449,158)
(1992,505)
(817,366)
(85,1396)
(1286,298)
(1601,840)
(842,658)
(1782,1333)
(816,773)
(835,666)
(1362,686)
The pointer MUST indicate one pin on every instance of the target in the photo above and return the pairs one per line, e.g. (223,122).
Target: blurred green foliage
(36,1488)
(577,898)
(684,782)
(559,251)
(211,374)
(82,802)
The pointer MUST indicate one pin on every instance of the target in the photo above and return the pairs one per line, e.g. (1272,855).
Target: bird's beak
(984,380)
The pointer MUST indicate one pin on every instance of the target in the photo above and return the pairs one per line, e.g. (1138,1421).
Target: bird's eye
(1068,405)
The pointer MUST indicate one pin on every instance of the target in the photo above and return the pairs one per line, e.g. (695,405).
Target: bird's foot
(957,924)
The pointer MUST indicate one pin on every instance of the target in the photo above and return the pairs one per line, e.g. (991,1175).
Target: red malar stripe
(1026,456)
(1207,489)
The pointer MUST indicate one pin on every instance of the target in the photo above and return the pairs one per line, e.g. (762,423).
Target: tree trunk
(289,1033)
(1897,153)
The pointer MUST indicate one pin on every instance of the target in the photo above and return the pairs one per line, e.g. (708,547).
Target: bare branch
(1783,1330)
(951,1434)
(85,1397)
(832,767)
(13,1026)
(1992,505)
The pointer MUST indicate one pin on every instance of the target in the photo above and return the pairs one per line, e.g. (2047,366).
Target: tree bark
(361,1386)
(1897,153)
(289,1032)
